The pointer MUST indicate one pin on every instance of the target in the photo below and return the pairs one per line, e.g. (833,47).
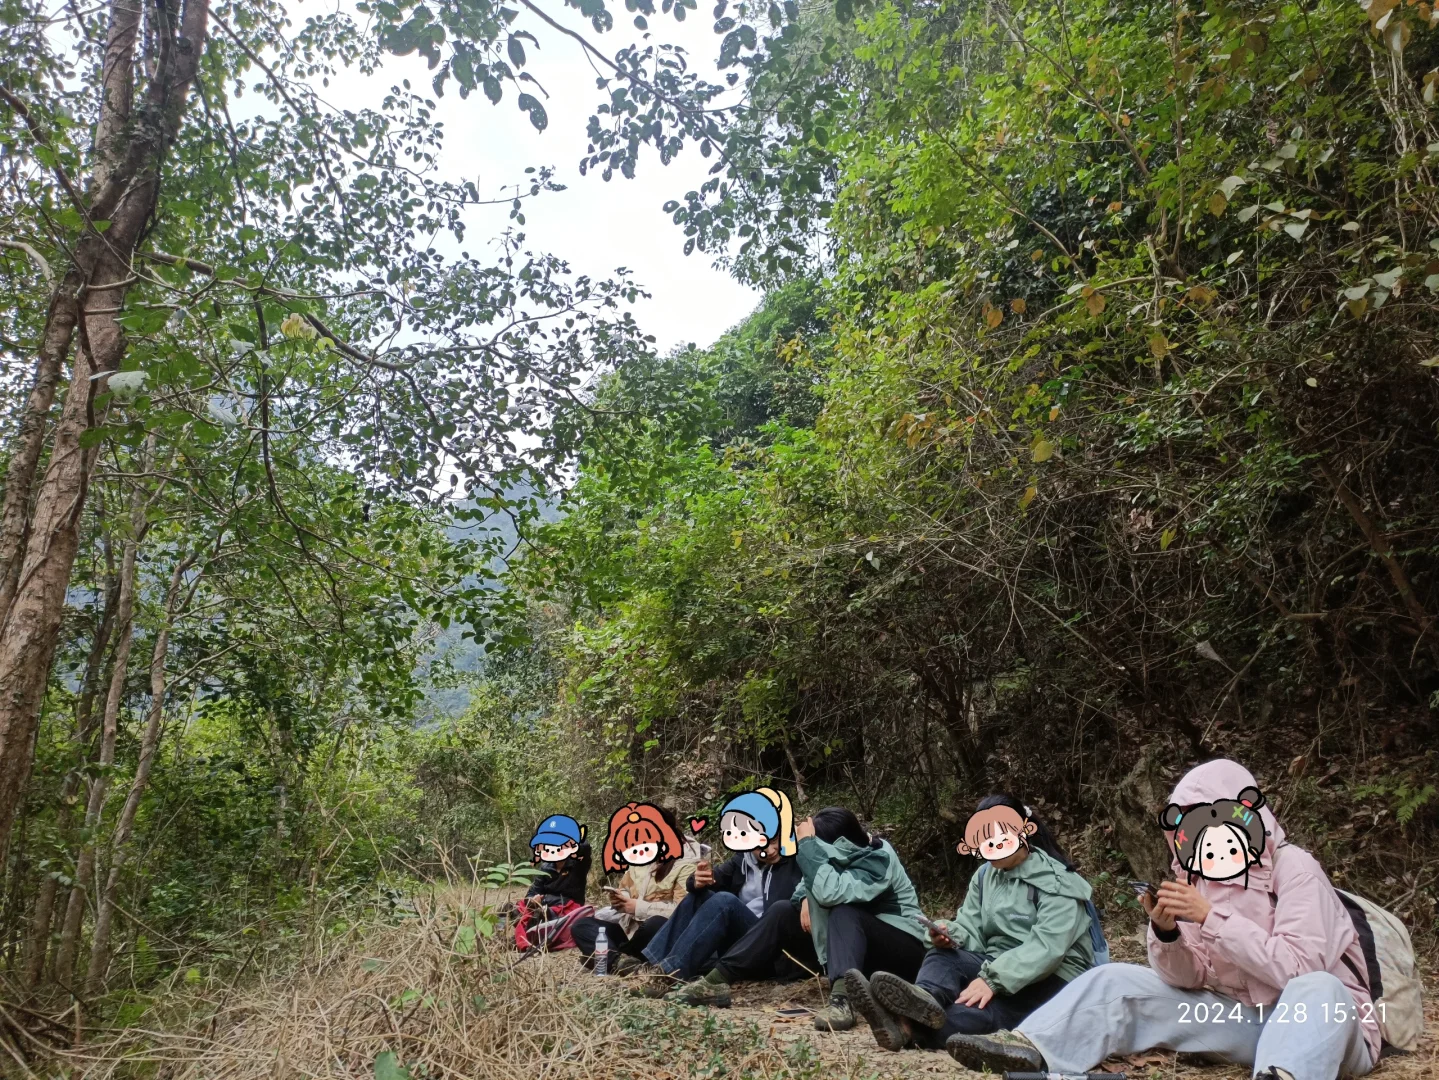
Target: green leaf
(388,1067)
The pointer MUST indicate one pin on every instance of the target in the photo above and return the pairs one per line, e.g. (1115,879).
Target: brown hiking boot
(906,999)
(1003,1051)
(889,1032)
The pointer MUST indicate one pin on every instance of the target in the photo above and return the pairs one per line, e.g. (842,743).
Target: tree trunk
(95,803)
(131,142)
(30,441)
(44,912)
(149,744)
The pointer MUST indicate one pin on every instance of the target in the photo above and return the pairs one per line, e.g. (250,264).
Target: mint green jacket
(1026,941)
(845,873)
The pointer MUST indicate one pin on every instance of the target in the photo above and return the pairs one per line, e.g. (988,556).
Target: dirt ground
(854,1053)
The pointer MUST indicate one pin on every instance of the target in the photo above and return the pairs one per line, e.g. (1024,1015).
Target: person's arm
(1175,960)
(829,886)
(965,929)
(541,885)
(1307,934)
(1058,923)
(729,875)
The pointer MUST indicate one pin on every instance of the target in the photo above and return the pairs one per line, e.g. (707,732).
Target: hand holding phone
(1144,888)
(937,933)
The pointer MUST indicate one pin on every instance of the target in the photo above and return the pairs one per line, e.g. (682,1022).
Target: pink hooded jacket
(1288,922)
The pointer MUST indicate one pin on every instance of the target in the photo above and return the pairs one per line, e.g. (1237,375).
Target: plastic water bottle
(602,953)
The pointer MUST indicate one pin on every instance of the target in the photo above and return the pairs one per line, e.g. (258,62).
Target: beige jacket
(657,897)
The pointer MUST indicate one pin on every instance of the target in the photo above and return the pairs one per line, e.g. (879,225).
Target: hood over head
(1218,780)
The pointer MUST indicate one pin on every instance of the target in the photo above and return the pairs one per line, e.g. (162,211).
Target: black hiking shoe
(887,1029)
(906,999)
(1004,1051)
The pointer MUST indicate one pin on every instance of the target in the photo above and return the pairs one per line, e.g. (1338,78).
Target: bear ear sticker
(1251,797)
(1171,816)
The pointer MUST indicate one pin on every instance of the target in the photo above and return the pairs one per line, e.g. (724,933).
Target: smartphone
(1144,888)
(931,925)
(612,889)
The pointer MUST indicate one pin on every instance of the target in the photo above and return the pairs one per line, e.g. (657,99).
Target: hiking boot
(1004,1051)
(889,1032)
(837,1015)
(629,965)
(655,985)
(907,1000)
(702,992)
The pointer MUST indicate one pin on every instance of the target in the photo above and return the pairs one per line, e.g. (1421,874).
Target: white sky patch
(595,226)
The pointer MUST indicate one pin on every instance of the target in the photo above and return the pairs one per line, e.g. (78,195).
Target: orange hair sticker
(639,823)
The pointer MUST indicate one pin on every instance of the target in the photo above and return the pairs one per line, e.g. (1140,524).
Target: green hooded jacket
(845,873)
(1026,942)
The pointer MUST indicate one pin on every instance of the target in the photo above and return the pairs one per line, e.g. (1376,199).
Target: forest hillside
(1086,431)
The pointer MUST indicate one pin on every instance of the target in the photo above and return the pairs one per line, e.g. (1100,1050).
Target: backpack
(1096,931)
(1393,974)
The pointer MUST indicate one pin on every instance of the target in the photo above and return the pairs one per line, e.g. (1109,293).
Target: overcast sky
(594,225)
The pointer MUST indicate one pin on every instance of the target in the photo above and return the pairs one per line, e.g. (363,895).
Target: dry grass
(416,990)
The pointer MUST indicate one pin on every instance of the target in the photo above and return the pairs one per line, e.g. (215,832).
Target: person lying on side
(858,904)
(737,923)
(1253,959)
(1021,935)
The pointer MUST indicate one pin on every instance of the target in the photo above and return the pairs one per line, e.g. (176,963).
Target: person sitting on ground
(858,904)
(737,921)
(1021,935)
(562,852)
(644,840)
(1256,962)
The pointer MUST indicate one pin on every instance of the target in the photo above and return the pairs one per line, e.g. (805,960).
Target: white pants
(1124,1009)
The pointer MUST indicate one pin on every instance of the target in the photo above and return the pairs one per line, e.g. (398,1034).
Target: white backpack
(1393,975)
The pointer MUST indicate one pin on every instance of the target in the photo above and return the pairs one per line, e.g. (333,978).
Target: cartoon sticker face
(742,832)
(640,834)
(761,821)
(641,854)
(996,834)
(557,839)
(553,853)
(1218,841)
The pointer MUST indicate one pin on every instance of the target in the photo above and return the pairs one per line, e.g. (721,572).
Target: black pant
(586,930)
(858,939)
(946,972)
(776,947)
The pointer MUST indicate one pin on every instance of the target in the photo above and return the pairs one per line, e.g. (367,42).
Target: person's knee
(845,916)
(1113,980)
(1317,985)
(726,901)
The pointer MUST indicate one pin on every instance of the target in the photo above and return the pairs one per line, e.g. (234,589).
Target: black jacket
(784,878)
(568,879)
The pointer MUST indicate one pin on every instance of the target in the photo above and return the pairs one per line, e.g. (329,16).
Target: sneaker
(887,1029)
(906,999)
(1274,1072)
(1003,1051)
(702,992)
(837,1015)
